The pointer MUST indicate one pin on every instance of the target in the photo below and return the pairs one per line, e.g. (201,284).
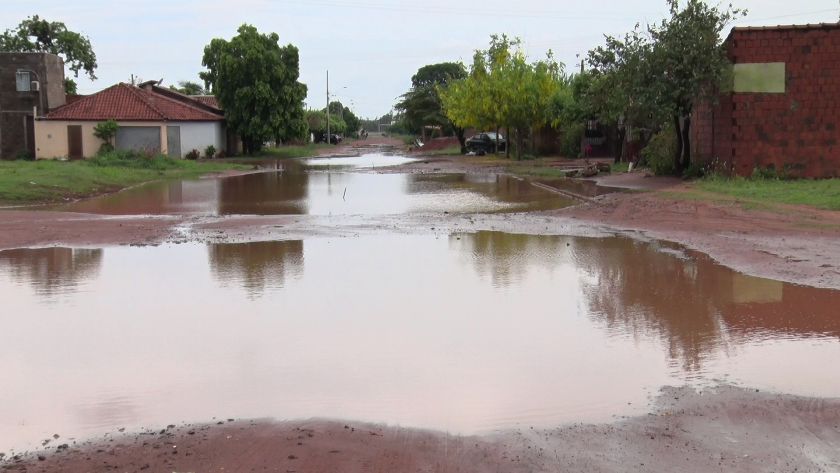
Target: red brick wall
(796,130)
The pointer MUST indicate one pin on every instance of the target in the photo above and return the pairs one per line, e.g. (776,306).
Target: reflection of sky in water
(468,332)
(295,191)
(365,161)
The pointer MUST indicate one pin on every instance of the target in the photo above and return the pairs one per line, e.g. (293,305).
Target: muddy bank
(718,429)
(32,228)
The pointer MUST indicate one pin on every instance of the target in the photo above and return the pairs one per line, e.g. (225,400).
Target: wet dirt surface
(418,315)
(721,429)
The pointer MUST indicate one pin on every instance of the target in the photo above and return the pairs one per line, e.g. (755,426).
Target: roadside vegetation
(293,151)
(47,181)
(823,194)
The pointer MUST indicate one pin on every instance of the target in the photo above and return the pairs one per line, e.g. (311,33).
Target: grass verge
(30,182)
(539,171)
(452,150)
(823,194)
(284,152)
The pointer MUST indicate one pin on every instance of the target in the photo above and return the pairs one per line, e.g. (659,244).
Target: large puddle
(464,332)
(325,186)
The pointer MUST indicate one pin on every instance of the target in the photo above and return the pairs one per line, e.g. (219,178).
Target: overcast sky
(371,47)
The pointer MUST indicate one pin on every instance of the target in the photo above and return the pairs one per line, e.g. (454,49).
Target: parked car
(485,141)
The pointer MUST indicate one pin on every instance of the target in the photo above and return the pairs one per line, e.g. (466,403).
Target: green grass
(823,194)
(620,167)
(284,152)
(452,150)
(537,170)
(29,182)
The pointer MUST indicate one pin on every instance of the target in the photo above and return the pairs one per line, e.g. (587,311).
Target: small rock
(191,432)
(230,420)
(41,458)
(292,457)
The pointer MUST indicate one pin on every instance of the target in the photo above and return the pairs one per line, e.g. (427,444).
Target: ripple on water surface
(466,332)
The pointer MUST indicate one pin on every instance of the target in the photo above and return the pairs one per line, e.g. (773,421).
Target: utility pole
(329,141)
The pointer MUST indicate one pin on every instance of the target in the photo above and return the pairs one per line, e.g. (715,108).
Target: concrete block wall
(796,130)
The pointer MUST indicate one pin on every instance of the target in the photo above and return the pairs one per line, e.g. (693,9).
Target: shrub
(209,151)
(105,131)
(194,154)
(24,155)
(660,151)
(570,140)
(105,147)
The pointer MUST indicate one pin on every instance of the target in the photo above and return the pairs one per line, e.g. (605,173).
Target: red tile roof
(127,102)
(809,26)
(206,99)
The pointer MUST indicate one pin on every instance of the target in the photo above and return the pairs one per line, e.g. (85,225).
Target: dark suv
(485,141)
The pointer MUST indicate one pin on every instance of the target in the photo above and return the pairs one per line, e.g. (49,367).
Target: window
(23,84)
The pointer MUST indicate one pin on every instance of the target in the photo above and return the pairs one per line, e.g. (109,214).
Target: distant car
(486,142)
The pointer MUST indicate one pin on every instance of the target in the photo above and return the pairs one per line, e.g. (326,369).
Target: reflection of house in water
(156,198)
(507,257)
(256,266)
(51,270)
(697,306)
(267,193)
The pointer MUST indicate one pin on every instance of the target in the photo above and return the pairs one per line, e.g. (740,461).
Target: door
(173,141)
(74,142)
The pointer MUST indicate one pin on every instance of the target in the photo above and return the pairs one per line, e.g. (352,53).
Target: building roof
(127,102)
(809,26)
(206,99)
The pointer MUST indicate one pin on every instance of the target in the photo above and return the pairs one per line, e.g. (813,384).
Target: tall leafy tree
(255,81)
(422,104)
(659,72)
(41,36)
(503,89)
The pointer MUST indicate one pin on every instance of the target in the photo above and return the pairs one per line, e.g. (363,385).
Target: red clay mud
(718,429)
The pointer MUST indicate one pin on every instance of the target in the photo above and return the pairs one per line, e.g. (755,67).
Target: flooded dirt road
(465,333)
(458,302)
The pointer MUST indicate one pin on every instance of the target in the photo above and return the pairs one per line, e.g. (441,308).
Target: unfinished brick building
(29,83)
(784,110)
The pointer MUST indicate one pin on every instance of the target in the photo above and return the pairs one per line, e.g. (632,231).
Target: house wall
(16,106)
(199,135)
(795,130)
(51,137)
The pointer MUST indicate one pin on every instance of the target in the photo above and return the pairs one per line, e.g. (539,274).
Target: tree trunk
(507,145)
(496,149)
(678,152)
(518,144)
(459,132)
(619,149)
(686,133)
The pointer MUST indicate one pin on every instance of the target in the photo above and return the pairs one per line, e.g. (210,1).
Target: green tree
(316,121)
(503,89)
(255,81)
(422,104)
(106,131)
(187,87)
(350,119)
(36,35)
(659,72)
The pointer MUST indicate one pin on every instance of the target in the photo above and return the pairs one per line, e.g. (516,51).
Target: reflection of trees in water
(696,306)
(52,270)
(257,265)
(500,187)
(506,257)
(640,290)
(268,193)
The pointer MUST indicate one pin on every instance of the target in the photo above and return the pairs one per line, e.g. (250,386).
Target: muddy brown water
(460,332)
(323,186)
